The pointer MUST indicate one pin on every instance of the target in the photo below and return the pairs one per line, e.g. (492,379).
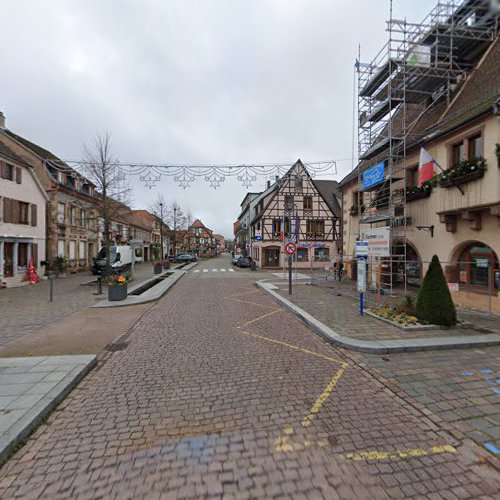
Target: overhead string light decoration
(215,175)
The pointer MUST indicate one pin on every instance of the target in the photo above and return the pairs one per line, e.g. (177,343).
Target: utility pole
(161,231)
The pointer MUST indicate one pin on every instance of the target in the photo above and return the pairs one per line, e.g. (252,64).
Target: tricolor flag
(282,229)
(425,167)
(297,225)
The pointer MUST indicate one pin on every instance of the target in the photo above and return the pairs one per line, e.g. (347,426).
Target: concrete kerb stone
(381,346)
(20,430)
(151,295)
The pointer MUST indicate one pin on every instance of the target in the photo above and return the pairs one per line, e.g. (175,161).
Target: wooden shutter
(7,216)
(33,215)
(19,175)
(34,253)
(2,169)
(14,211)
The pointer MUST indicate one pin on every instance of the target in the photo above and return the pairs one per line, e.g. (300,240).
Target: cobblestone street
(25,309)
(218,391)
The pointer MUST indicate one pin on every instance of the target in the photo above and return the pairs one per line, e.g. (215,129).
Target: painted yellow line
(294,347)
(306,421)
(240,294)
(414,452)
(262,317)
(247,302)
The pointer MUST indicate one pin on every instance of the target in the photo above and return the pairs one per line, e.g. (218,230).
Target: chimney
(2,120)
(268,184)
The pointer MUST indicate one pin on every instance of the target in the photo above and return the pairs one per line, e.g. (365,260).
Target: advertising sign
(361,275)
(373,176)
(258,235)
(379,244)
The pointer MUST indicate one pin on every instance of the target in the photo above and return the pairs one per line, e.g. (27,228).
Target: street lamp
(161,230)
(175,230)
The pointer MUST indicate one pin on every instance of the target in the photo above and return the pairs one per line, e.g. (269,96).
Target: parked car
(244,262)
(236,258)
(186,258)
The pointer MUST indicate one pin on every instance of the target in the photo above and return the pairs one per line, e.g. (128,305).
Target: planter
(157,269)
(117,292)
(418,196)
(166,265)
(462,179)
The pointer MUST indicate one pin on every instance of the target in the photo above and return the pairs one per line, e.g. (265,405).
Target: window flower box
(465,171)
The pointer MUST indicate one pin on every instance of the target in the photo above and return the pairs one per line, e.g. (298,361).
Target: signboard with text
(373,176)
(378,239)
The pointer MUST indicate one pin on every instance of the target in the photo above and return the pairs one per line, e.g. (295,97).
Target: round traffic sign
(290,248)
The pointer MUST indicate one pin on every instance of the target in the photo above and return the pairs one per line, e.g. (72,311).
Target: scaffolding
(420,65)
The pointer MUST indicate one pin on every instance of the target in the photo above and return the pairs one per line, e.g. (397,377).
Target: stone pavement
(219,392)
(342,315)
(462,388)
(30,388)
(26,309)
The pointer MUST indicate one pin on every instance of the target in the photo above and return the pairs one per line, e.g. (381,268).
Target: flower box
(117,292)
(448,182)
(418,195)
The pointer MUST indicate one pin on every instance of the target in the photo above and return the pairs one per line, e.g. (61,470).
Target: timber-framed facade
(296,197)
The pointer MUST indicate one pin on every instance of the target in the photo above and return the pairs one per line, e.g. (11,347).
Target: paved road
(26,309)
(219,392)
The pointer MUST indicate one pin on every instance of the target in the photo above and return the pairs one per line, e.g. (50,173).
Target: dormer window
(61,177)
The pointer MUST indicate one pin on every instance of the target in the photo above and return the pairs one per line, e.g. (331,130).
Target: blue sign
(374,175)
(258,238)
(361,251)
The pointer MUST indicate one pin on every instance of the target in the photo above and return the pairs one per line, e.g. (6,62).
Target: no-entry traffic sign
(290,248)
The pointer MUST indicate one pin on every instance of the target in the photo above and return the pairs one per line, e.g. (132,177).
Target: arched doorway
(478,267)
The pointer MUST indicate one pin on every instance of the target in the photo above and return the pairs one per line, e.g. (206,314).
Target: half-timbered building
(301,208)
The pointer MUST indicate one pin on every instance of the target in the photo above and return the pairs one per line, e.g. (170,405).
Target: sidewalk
(337,318)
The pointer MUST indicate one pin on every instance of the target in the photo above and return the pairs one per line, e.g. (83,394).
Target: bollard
(99,285)
(51,288)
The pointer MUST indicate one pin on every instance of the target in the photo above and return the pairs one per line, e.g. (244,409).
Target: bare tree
(112,191)
(159,209)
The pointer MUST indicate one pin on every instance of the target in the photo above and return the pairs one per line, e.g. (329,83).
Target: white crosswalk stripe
(205,270)
(231,270)
(214,270)
(222,270)
(197,271)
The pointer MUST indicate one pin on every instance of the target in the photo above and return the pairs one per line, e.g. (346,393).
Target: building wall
(479,194)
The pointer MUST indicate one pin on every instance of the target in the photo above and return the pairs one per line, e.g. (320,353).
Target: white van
(120,259)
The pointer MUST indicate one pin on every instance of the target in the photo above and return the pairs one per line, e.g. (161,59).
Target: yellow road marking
(294,347)
(247,302)
(414,452)
(262,317)
(306,421)
(240,294)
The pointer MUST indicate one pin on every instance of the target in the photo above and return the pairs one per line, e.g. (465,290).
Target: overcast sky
(191,81)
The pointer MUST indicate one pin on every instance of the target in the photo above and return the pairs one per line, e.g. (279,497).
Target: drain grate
(117,346)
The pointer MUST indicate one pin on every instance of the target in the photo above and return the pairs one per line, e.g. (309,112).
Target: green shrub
(434,303)
(407,303)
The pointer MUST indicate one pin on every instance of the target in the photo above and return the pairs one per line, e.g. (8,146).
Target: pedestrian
(340,268)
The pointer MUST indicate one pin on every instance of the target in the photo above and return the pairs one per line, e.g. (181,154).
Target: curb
(148,296)
(34,417)
(380,346)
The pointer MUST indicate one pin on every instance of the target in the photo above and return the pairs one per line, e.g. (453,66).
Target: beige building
(22,218)
(296,197)
(455,215)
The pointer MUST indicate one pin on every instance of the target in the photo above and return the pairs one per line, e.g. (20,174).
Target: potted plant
(59,266)
(117,287)
(157,267)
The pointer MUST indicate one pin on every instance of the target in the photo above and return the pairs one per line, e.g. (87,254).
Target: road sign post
(290,249)
(361,283)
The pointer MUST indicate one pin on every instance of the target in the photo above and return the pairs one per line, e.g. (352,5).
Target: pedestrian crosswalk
(213,270)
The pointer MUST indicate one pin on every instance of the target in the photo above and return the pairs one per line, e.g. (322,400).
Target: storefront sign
(373,176)
(378,241)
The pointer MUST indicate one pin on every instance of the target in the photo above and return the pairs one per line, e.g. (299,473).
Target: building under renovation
(428,177)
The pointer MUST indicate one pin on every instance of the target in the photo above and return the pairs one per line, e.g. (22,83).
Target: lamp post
(175,230)
(161,230)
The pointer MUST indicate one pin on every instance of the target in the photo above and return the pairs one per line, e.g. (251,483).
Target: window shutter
(6,208)
(19,175)
(33,215)
(14,211)
(2,169)
(34,254)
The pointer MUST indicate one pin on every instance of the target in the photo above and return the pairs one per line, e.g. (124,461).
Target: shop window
(321,254)
(22,256)
(302,255)
(478,266)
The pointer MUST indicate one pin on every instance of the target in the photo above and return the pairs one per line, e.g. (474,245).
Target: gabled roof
(197,223)
(330,192)
(9,155)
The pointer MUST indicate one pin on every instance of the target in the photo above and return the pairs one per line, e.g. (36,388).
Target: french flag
(425,167)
